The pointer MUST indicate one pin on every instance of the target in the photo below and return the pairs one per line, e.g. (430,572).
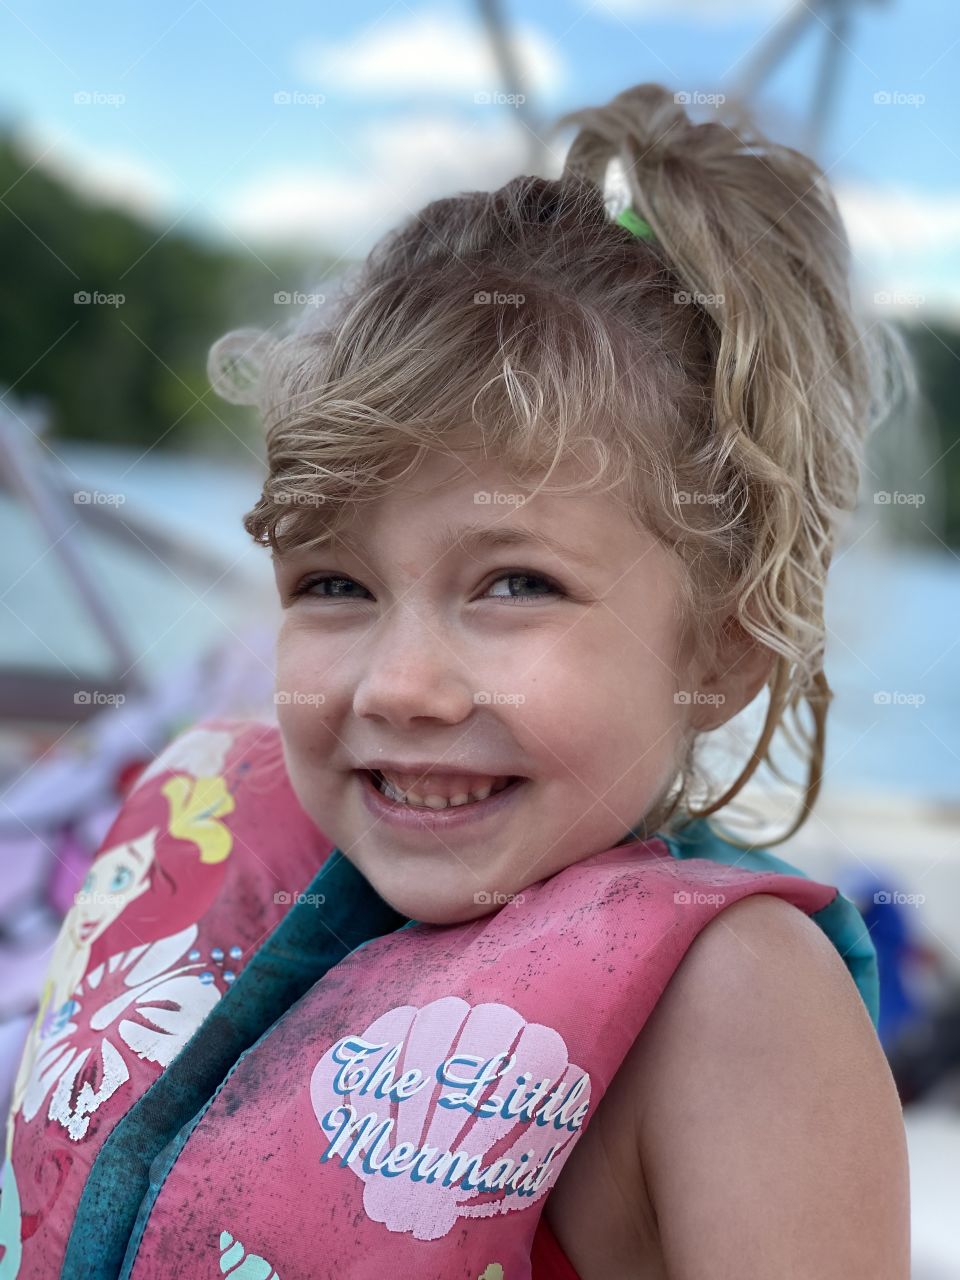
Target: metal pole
(513,81)
(19,456)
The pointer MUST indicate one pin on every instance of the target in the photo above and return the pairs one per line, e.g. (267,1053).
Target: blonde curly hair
(718,373)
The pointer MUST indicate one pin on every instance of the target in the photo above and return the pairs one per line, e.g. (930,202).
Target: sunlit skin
(389,654)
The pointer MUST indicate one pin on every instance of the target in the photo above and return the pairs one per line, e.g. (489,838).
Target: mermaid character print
(142,893)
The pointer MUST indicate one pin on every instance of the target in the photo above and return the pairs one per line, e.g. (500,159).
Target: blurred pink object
(69,869)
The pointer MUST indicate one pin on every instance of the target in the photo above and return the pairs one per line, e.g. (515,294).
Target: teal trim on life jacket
(840,920)
(123,1182)
(164,1161)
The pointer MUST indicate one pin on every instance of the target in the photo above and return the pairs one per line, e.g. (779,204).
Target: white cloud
(699,12)
(114,177)
(897,221)
(428,52)
(401,164)
(906,245)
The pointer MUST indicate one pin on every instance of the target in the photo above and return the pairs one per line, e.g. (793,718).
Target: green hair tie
(633,222)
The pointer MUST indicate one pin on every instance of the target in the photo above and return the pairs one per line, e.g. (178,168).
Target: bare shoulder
(769,1130)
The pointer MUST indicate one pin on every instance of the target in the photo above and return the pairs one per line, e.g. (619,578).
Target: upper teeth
(456,790)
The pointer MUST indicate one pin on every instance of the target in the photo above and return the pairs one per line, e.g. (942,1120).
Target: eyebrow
(485,537)
(481,537)
(476,536)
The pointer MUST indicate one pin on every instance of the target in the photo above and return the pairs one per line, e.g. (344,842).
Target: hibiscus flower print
(140,1004)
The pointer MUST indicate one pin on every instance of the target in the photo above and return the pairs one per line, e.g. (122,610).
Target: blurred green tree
(936,352)
(130,372)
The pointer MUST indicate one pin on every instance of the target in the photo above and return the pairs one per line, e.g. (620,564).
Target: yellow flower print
(196,807)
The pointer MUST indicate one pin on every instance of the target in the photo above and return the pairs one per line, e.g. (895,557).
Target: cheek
(306,688)
(625,726)
(308,739)
(302,660)
(595,703)
(305,705)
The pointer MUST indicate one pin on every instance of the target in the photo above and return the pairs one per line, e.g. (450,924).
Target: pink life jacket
(246,1063)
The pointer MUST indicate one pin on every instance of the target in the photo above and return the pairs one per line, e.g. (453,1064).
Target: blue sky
(182,122)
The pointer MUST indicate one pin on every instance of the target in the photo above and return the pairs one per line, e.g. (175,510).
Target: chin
(440,912)
(437,908)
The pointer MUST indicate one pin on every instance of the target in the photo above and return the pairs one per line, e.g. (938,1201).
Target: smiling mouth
(412,800)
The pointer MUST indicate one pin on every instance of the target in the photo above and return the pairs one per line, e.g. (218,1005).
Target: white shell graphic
(450,1111)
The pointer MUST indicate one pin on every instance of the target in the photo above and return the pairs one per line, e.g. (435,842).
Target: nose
(411,670)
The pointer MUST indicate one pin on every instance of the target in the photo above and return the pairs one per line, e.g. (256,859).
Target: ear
(737,670)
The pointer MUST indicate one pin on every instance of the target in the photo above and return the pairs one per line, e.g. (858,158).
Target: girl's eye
(311,586)
(307,587)
(522,576)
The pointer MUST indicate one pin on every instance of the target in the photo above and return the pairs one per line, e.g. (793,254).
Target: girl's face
(559,666)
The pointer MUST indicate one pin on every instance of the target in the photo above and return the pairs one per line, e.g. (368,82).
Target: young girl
(552,494)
